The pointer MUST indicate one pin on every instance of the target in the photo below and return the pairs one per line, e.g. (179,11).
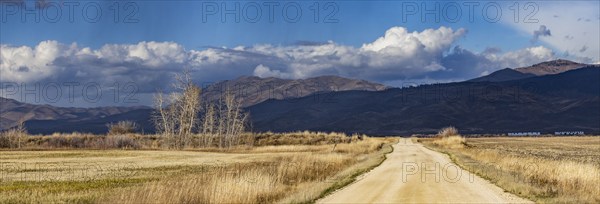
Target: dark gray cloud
(540,32)
(309,43)
(492,50)
(462,63)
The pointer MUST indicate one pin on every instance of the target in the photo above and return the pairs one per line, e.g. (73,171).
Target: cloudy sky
(136,46)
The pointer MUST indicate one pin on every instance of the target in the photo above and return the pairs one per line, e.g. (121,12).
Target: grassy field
(282,173)
(543,169)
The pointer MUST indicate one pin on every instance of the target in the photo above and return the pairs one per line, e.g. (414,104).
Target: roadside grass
(546,170)
(296,173)
(450,142)
(302,178)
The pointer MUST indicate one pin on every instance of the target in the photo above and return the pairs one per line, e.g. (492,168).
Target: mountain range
(506,74)
(12,112)
(561,102)
(551,96)
(251,90)
(550,67)
(544,68)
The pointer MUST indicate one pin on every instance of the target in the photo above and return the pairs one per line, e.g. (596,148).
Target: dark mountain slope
(566,101)
(12,112)
(540,69)
(506,74)
(550,67)
(250,90)
(93,125)
(254,90)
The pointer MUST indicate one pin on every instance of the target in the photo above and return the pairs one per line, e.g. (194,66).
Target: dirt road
(415,174)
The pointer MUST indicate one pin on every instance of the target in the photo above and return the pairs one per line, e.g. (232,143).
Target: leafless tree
(224,120)
(209,124)
(14,137)
(176,115)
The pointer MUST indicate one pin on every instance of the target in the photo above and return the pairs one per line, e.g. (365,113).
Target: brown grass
(243,174)
(448,137)
(120,139)
(548,170)
(296,177)
(303,138)
(451,142)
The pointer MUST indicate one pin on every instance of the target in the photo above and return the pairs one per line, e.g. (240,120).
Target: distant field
(287,173)
(544,169)
(578,149)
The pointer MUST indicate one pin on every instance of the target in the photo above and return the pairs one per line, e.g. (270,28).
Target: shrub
(74,140)
(121,141)
(303,138)
(447,132)
(448,137)
(122,127)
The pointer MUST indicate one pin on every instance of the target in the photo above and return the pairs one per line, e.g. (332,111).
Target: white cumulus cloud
(397,55)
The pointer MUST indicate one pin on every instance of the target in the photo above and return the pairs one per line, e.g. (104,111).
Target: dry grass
(451,142)
(120,139)
(295,177)
(238,183)
(84,141)
(548,170)
(243,174)
(448,137)
(303,138)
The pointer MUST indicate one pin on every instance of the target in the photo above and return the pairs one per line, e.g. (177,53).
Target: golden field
(298,172)
(543,169)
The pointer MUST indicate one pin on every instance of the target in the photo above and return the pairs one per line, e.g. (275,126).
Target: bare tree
(209,125)
(176,117)
(13,137)
(235,120)
(224,121)
(163,116)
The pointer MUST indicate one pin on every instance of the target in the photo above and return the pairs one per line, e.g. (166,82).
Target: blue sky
(181,22)
(383,41)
